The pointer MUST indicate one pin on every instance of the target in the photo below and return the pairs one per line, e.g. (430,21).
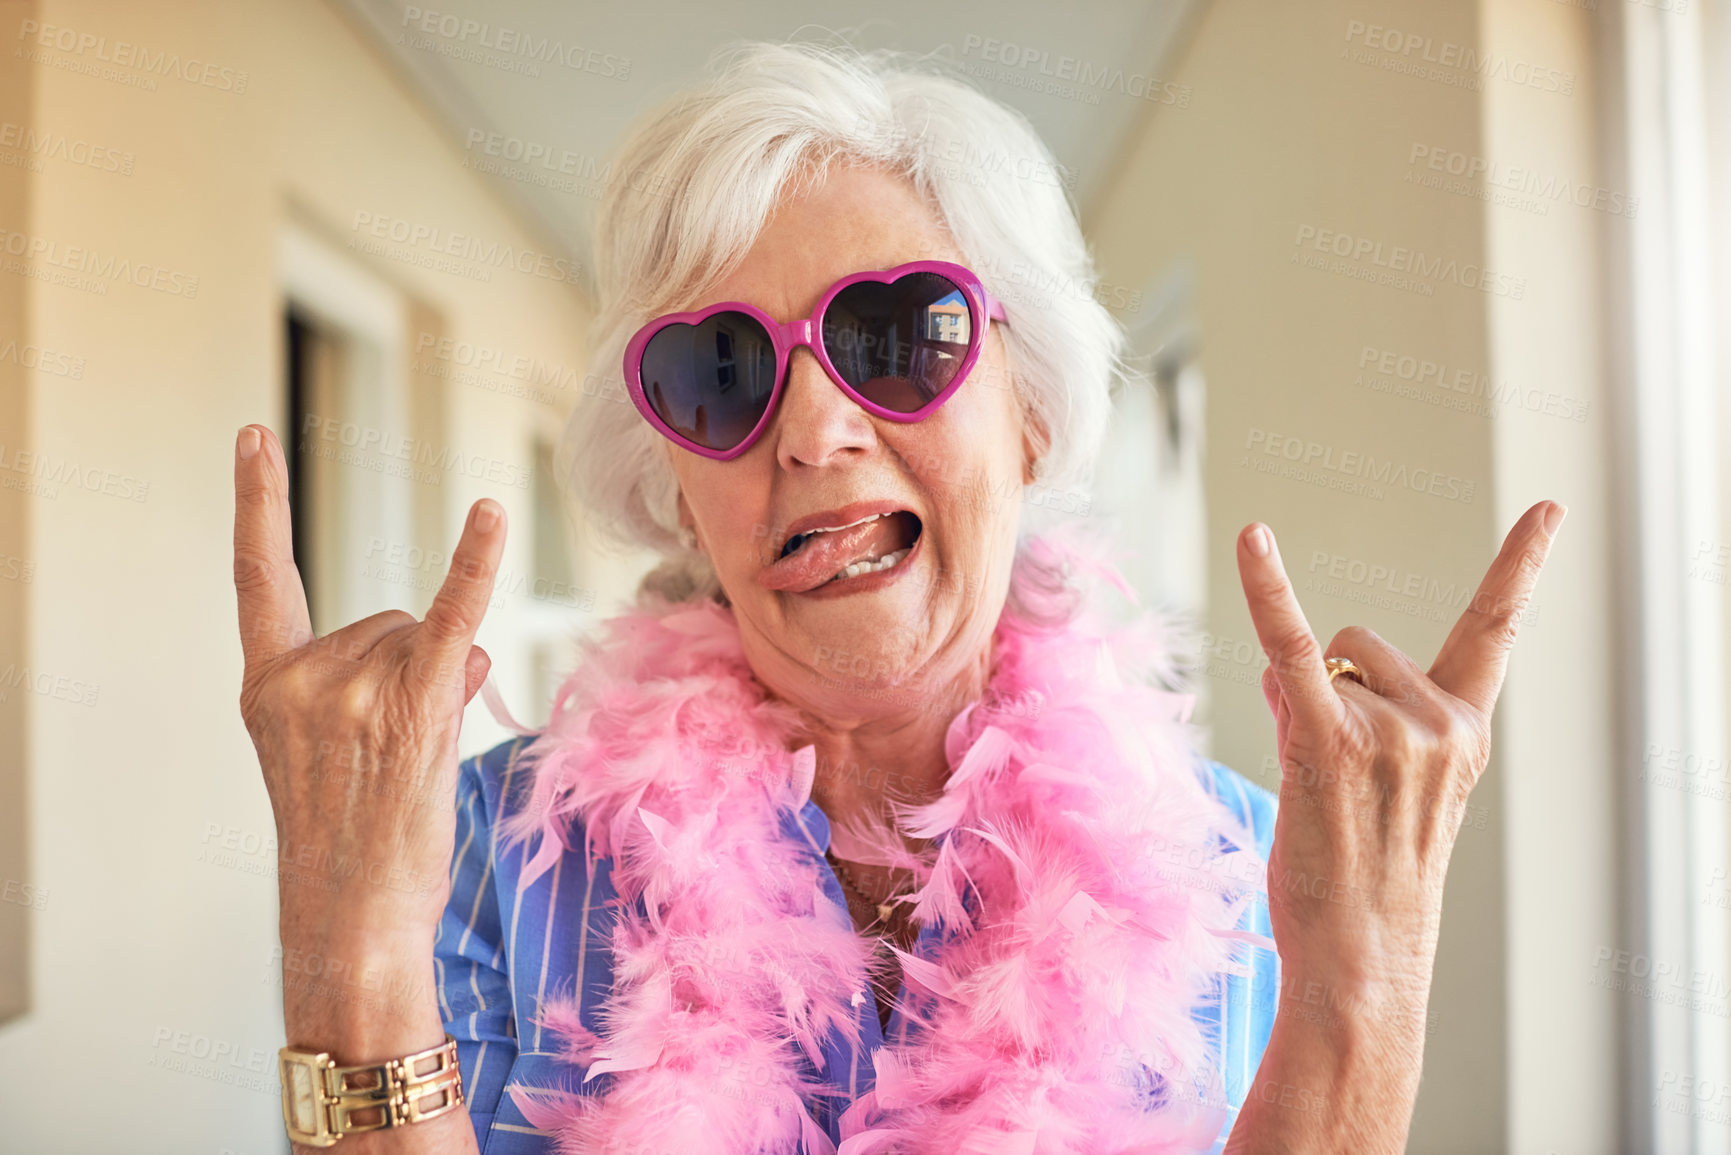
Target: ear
(1036,437)
(1036,443)
(687,523)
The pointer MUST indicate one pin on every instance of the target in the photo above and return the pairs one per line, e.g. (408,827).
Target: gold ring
(1337,666)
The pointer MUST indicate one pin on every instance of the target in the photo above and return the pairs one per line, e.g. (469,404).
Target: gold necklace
(845,875)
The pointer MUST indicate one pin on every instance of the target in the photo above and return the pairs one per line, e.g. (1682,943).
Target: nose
(817,424)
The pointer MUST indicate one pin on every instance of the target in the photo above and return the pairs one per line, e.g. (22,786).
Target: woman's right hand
(356,735)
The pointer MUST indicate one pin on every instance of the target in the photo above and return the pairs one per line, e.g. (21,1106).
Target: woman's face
(948,488)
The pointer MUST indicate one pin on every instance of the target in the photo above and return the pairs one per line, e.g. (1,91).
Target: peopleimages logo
(1404,374)
(58,364)
(1448,61)
(1350,470)
(477,355)
(92,266)
(1542,187)
(440,242)
(45,476)
(380,450)
(122,54)
(1400,266)
(1071,76)
(43,144)
(513,43)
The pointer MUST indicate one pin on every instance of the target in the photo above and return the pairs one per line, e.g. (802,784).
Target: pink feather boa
(1058,1017)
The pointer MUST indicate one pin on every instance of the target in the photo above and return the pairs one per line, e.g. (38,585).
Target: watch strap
(322,1102)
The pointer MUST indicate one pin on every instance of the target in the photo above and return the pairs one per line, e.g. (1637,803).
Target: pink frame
(982,308)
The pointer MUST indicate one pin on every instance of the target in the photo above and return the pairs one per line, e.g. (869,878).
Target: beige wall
(148,955)
(1292,128)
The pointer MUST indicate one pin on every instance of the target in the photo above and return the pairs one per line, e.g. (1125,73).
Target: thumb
(475,668)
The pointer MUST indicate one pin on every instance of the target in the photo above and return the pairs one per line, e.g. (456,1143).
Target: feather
(658,826)
(1079,910)
(985,758)
(1086,900)
(804,773)
(1000,1143)
(816,1141)
(893,1079)
(642,1046)
(929,975)
(868,1143)
(940,899)
(1023,873)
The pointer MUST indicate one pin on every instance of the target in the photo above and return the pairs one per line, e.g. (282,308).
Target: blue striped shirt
(501,952)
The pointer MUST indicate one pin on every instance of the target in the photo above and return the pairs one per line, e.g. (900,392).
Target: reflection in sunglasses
(897,346)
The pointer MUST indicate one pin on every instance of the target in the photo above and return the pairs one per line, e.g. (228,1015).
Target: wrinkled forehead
(853,219)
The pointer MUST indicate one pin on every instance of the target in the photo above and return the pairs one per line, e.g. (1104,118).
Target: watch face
(301,1099)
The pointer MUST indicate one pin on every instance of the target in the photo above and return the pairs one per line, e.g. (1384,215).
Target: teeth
(878,566)
(798,539)
(849,525)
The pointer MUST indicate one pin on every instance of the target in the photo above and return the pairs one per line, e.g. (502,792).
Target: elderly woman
(861,831)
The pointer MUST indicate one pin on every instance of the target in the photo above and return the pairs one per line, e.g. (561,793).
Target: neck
(864,765)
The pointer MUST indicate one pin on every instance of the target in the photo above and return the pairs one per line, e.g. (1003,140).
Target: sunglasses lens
(710,382)
(898,345)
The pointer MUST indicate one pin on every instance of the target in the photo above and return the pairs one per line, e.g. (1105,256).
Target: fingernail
(246,445)
(486,515)
(1554,517)
(1258,541)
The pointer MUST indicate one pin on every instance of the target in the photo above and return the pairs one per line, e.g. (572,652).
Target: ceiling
(486,68)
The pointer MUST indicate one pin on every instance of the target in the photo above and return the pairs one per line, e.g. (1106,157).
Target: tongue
(823,555)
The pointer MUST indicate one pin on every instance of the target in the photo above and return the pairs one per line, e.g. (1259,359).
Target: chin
(870,641)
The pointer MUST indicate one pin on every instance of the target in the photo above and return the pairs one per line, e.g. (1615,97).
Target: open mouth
(824,555)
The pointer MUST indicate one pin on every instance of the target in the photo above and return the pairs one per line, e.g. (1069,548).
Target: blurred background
(1396,270)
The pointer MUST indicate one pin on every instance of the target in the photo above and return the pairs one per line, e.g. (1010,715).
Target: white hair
(696,179)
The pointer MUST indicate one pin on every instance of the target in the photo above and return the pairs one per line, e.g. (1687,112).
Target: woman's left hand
(1374,786)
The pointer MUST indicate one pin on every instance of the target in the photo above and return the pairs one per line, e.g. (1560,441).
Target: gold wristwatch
(322,1102)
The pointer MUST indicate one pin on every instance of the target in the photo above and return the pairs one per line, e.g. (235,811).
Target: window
(1671,147)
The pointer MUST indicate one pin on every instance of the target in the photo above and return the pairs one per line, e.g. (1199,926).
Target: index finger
(1293,652)
(273,604)
(1475,656)
(447,632)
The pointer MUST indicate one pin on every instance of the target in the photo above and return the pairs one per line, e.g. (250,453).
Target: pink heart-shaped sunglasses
(898,341)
